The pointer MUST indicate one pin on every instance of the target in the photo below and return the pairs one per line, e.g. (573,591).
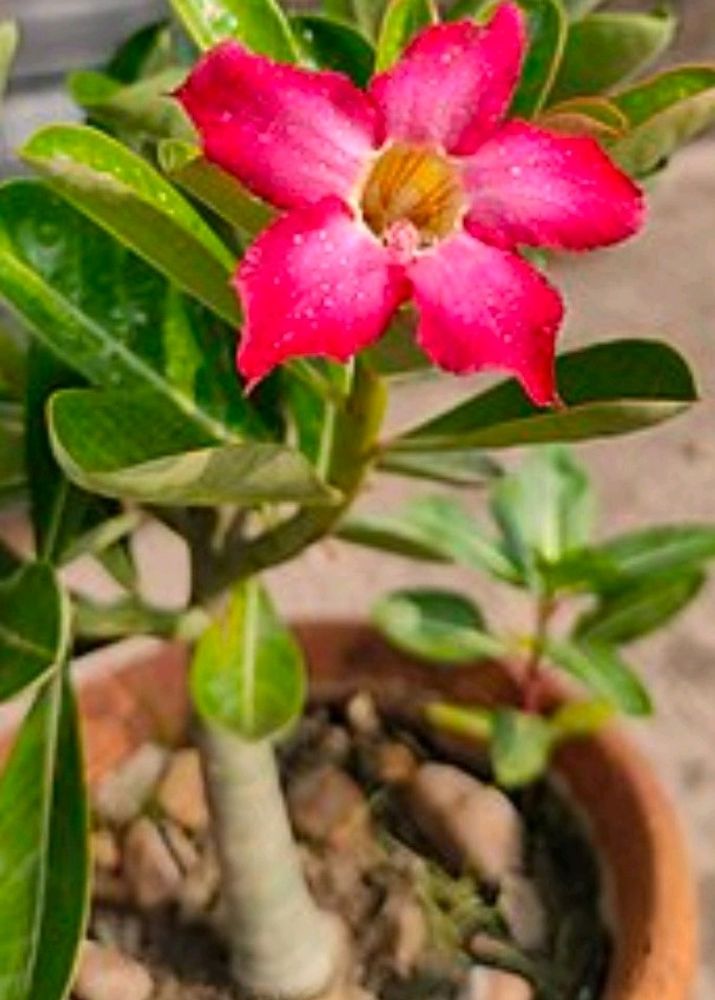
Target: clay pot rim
(135,690)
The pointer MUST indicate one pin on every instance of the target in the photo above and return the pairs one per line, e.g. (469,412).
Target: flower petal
(527,185)
(481,307)
(316,282)
(454,82)
(291,135)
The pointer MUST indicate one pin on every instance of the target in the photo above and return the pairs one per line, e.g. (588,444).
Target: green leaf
(623,616)
(124,329)
(400,23)
(664,112)
(597,117)
(577,719)
(123,444)
(520,747)
(126,617)
(146,106)
(368,15)
(248,673)
(12,456)
(547,37)
(219,191)
(607,389)
(123,193)
(9,39)
(436,625)
(473,722)
(545,508)
(329,44)
(468,468)
(605,49)
(34,620)
(44,868)
(579,8)
(260,24)
(144,53)
(600,668)
(390,534)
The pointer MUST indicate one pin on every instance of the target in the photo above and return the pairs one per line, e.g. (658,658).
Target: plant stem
(283,946)
(545,608)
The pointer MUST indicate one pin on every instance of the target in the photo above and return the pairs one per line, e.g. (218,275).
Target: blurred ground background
(661,284)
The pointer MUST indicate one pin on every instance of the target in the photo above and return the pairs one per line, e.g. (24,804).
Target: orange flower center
(412,186)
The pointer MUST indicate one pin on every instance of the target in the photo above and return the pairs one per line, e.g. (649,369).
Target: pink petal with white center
(316,282)
(454,83)
(290,135)
(526,185)
(481,307)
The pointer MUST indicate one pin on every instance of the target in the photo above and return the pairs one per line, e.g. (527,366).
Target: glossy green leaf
(597,117)
(610,388)
(545,508)
(579,8)
(44,868)
(436,625)
(147,51)
(402,20)
(330,44)
(125,195)
(390,534)
(601,669)
(520,747)
(145,107)
(125,329)
(127,617)
(633,612)
(665,112)
(260,24)
(548,28)
(397,354)
(248,673)
(123,444)
(9,39)
(468,468)
(368,15)
(34,620)
(461,9)
(184,164)
(13,473)
(604,49)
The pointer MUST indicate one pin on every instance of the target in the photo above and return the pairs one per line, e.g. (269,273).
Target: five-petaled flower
(417,188)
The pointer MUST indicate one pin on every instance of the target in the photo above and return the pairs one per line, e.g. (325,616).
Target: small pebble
(200,886)
(182,793)
(484,983)
(474,826)
(523,911)
(105,850)
(407,930)
(150,868)
(123,794)
(327,806)
(395,764)
(181,846)
(107,974)
(362,715)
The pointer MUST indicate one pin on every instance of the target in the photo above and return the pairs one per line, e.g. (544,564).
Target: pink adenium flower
(417,189)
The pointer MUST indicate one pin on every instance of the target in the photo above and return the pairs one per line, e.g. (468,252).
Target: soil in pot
(450,889)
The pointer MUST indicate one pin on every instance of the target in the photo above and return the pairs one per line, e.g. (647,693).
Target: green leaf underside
(247,674)
(547,37)
(604,49)
(123,444)
(125,195)
(601,669)
(33,618)
(608,389)
(329,44)
(126,328)
(627,615)
(260,24)
(664,112)
(470,467)
(437,625)
(402,20)
(44,870)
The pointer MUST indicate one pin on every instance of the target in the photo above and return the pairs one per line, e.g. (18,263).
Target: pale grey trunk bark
(283,946)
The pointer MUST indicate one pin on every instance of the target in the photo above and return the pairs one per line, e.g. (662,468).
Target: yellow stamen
(413,184)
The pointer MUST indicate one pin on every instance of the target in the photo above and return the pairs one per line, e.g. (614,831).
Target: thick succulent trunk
(283,946)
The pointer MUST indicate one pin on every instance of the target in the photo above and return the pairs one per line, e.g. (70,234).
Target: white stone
(124,793)
(108,974)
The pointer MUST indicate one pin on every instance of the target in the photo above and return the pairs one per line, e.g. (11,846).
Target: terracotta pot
(137,690)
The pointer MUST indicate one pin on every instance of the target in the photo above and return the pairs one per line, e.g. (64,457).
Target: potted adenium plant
(329,185)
